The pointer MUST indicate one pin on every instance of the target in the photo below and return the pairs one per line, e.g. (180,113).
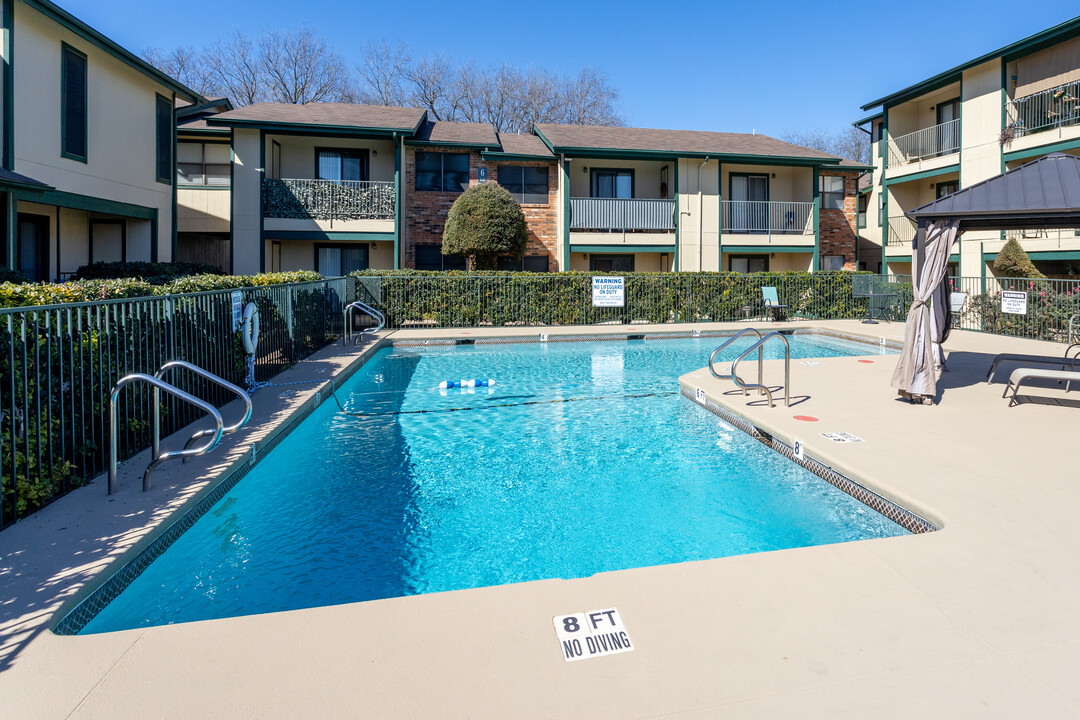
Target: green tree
(1013,262)
(485,222)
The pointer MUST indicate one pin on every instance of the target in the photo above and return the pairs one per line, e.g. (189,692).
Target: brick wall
(425,212)
(839,233)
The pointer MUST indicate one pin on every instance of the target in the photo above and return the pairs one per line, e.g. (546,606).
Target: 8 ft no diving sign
(591,634)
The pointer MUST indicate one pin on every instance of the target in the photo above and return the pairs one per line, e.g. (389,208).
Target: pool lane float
(450,384)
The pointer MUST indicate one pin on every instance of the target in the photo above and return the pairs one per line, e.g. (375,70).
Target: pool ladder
(363,307)
(160,386)
(758,344)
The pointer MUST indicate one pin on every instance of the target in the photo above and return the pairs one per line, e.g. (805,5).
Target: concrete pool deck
(978,619)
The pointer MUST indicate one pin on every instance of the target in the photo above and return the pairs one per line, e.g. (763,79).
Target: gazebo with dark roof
(1043,193)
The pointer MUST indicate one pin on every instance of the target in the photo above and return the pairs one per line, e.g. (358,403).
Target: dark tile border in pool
(899,514)
(127,571)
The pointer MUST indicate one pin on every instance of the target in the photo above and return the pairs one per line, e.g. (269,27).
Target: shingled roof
(342,116)
(441,132)
(524,146)
(575,138)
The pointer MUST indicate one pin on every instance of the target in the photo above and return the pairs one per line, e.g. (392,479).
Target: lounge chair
(956,306)
(1019,375)
(771,302)
(1061,362)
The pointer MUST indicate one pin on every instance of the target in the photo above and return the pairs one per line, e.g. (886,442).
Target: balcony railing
(328,199)
(926,143)
(617,214)
(901,230)
(1046,109)
(774,218)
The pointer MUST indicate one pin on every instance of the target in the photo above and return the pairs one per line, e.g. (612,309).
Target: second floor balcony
(901,231)
(761,217)
(588,214)
(1047,109)
(931,142)
(328,200)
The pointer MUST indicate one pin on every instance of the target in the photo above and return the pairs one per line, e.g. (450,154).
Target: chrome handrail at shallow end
(364,307)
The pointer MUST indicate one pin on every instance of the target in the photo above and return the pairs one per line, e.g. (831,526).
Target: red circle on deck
(806,418)
(868,362)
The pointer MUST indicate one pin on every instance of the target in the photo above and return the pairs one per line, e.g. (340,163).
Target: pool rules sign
(608,291)
(591,634)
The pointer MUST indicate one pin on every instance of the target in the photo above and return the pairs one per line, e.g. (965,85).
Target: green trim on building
(280,128)
(1026,46)
(9,230)
(1040,255)
(492,156)
(760,249)
(868,118)
(678,218)
(817,221)
(564,183)
(175,233)
(399,184)
(86,202)
(328,236)
(56,14)
(262,213)
(1041,150)
(8,153)
(625,249)
(954,257)
(464,145)
(948,169)
(24,188)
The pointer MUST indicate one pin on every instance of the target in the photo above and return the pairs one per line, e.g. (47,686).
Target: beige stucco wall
(629,239)
(121,128)
(203,210)
(300,254)
(646,175)
(699,215)
(298,155)
(245,199)
(980,122)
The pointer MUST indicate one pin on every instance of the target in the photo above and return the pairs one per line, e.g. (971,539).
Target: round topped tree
(485,223)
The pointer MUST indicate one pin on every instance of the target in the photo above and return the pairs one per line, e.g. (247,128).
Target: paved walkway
(979,619)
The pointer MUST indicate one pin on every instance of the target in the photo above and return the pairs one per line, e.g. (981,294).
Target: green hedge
(14,295)
(460,299)
(157,273)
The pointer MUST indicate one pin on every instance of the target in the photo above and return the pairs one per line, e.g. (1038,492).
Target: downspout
(700,219)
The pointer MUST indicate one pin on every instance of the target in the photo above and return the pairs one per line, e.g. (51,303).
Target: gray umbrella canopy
(1044,193)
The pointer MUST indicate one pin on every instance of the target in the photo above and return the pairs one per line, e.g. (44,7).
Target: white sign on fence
(237,298)
(1014,303)
(608,292)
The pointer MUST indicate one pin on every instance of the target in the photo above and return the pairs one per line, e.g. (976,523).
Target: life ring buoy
(249,329)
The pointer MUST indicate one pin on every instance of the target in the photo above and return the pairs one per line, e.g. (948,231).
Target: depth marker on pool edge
(591,634)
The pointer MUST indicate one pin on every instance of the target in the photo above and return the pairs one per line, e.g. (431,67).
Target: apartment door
(613,183)
(749,203)
(948,131)
(108,241)
(33,247)
(338,260)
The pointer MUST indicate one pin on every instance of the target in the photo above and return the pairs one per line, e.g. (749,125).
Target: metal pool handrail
(155,440)
(761,386)
(357,305)
(158,384)
(733,338)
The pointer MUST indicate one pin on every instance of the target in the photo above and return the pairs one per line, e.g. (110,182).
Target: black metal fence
(59,364)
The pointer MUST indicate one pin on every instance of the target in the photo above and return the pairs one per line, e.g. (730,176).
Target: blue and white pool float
(450,384)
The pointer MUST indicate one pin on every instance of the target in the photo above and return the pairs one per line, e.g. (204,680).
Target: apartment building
(967,124)
(203,184)
(88,133)
(337,188)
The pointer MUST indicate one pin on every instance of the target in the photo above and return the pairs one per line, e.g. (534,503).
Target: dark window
(947,188)
(338,260)
(203,164)
(612,183)
(165,126)
(430,257)
(33,247)
(528,185)
(864,201)
(341,164)
(748,263)
(611,263)
(536,263)
(73,105)
(832,192)
(442,172)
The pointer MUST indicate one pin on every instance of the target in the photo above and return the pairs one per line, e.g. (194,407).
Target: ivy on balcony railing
(328,199)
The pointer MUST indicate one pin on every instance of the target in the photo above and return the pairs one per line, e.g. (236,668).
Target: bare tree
(432,86)
(301,67)
(590,99)
(383,74)
(851,143)
(184,63)
(235,70)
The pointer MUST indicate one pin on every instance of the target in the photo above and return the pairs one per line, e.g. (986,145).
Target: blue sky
(765,66)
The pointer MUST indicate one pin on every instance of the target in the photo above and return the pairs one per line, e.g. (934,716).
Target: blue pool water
(584,458)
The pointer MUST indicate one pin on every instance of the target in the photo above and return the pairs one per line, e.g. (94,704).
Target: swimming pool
(582,459)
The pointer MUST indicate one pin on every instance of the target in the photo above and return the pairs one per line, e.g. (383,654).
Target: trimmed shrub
(485,222)
(1013,262)
(11,276)
(30,294)
(457,299)
(157,273)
